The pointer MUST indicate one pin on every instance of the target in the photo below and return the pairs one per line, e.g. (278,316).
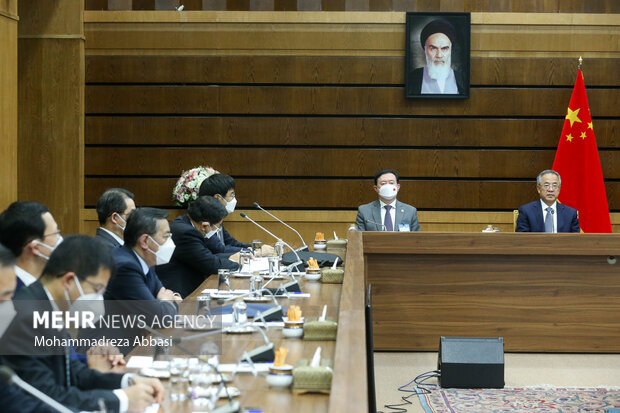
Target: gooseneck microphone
(8,376)
(305,247)
(383,228)
(293,265)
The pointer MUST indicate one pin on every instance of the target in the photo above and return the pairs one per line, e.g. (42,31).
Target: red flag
(578,164)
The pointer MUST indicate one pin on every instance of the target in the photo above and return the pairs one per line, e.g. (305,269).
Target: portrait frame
(418,82)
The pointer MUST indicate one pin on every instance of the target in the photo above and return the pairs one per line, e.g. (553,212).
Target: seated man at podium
(546,214)
(387,213)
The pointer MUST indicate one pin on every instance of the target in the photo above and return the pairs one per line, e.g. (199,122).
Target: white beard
(439,71)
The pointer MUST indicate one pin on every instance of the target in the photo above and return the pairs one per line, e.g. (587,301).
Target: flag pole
(580,62)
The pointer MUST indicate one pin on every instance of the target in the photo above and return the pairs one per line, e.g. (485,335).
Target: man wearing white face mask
(74,278)
(195,238)
(113,209)
(386,213)
(29,230)
(222,188)
(148,242)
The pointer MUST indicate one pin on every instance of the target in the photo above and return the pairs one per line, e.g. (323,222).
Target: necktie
(389,226)
(549,220)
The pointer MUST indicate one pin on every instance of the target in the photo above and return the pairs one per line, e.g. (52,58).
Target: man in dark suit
(13,398)
(546,214)
(147,242)
(222,188)
(195,239)
(29,230)
(386,213)
(113,209)
(78,271)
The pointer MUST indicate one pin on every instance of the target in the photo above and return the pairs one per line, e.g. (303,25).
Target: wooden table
(541,292)
(349,384)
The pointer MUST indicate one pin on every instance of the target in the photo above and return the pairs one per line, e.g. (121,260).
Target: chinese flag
(578,164)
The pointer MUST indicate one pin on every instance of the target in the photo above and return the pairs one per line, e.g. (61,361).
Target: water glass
(256,247)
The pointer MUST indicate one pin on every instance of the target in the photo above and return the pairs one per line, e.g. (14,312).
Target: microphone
(305,247)
(8,376)
(383,228)
(293,265)
(233,406)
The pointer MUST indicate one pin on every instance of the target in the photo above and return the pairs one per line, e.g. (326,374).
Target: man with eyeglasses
(547,214)
(198,253)
(29,230)
(113,209)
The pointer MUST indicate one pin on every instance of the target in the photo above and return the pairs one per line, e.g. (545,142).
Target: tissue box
(320,330)
(312,379)
(330,276)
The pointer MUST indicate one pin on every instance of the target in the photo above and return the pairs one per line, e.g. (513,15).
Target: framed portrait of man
(437,55)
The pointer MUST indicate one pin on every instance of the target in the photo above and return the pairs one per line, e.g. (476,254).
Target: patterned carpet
(521,399)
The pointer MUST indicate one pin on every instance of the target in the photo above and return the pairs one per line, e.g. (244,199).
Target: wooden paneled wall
(303,108)
(51,108)
(8,102)
(522,6)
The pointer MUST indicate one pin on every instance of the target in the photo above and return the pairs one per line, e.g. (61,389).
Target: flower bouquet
(186,188)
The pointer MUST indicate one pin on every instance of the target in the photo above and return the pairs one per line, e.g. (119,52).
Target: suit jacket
(414,87)
(48,373)
(130,283)
(18,286)
(107,238)
(193,259)
(405,214)
(531,218)
(15,399)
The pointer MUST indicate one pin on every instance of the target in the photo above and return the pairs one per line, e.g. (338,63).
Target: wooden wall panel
(521,6)
(8,102)
(51,108)
(375,70)
(336,131)
(312,104)
(332,100)
(330,162)
(337,193)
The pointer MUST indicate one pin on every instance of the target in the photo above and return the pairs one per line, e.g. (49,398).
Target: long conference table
(345,303)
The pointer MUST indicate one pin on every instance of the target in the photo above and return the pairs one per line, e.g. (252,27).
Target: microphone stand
(305,247)
(7,375)
(289,267)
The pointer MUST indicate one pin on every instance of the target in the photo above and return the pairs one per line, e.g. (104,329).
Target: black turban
(438,26)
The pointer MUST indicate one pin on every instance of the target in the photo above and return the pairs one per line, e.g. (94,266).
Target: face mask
(164,253)
(92,302)
(7,314)
(124,224)
(212,232)
(46,258)
(230,205)
(388,191)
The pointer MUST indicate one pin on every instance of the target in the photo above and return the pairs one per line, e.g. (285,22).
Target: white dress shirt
(555,214)
(25,276)
(116,237)
(392,213)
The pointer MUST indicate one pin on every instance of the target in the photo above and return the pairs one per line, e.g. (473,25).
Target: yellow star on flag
(569,137)
(583,135)
(590,126)
(571,115)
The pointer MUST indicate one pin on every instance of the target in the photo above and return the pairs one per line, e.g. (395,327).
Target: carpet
(520,399)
